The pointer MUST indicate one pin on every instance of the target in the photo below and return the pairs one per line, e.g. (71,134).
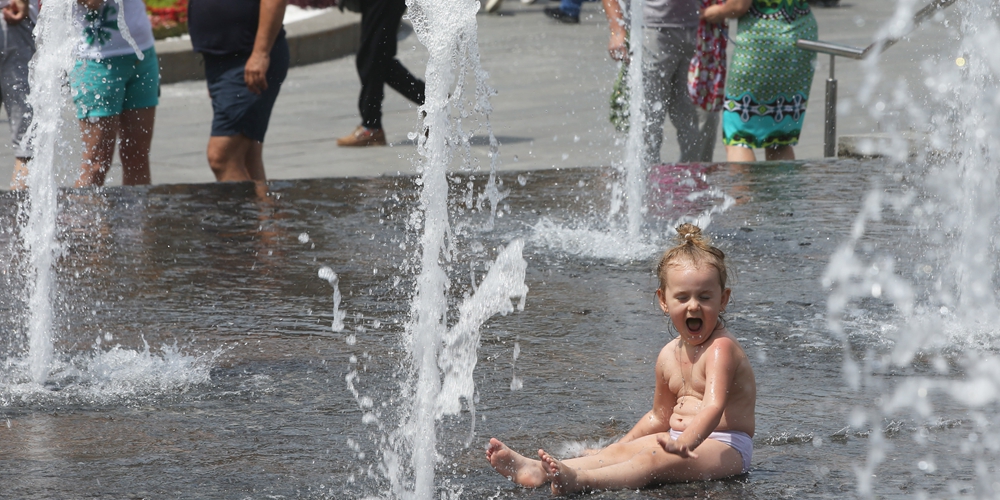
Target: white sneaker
(493,5)
(527,2)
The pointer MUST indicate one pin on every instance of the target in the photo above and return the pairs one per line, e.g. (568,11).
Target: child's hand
(670,445)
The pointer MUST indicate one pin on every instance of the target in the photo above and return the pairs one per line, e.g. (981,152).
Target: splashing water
(628,190)
(929,248)
(634,163)
(105,372)
(54,55)
(108,376)
(338,316)
(634,177)
(442,359)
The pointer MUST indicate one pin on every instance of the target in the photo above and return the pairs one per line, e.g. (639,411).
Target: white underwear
(739,441)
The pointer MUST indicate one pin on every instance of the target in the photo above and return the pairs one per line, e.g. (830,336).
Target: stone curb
(320,38)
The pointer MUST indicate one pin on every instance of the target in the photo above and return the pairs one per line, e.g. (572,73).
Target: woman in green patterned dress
(769,77)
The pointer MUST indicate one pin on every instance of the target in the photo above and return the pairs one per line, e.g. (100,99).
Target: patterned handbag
(707,71)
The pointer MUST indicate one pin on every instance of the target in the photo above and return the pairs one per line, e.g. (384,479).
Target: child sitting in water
(702,419)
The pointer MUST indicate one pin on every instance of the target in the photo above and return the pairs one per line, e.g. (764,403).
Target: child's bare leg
(514,466)
(651,465)
(562,477)
(613,454)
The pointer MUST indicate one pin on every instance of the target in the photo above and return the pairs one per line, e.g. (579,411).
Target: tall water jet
(633,166)
(54,56)
(442,358)
(940,272)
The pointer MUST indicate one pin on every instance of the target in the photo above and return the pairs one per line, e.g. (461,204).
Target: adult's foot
(363,137)
(493,5)
(514,466)
(561,15)
(562,477)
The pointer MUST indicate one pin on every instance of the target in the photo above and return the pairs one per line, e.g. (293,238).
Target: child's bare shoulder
(670,347)
(727,339)
(729,343)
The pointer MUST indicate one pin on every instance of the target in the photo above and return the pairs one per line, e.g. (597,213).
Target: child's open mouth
(694,324)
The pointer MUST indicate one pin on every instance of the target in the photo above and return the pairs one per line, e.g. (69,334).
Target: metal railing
(836,49)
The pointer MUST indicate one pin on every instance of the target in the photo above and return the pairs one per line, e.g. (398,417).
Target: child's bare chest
(686,379)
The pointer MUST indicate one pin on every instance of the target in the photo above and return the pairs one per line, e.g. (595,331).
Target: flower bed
(169,17)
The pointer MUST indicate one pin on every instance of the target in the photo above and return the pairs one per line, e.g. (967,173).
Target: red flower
(168,16)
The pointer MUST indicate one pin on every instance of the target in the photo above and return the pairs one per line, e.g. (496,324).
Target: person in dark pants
(377,66)
(246,61)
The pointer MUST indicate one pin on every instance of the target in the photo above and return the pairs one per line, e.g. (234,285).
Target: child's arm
(732,8)
(658,418)
(720,371)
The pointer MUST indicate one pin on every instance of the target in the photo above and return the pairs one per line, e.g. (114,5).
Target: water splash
(679,194)
(442,358)
(47,70)
(56,35)
(678,187)
(634,164)
(929,248)
(338,316)
(107,376)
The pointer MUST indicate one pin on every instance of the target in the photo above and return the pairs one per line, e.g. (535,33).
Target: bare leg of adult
(227,156)
(780,153)
(136,138)
(739,153)
(255,161)
(98,135)
(20,178)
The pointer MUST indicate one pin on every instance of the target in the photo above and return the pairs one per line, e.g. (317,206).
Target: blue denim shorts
(106,87)
(236,109)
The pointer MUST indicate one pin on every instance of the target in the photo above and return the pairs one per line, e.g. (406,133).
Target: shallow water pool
(196,357)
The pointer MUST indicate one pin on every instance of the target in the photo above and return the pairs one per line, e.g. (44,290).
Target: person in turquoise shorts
(116,87)
(767,88)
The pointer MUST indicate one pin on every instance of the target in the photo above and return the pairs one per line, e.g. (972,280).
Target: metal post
(830,137)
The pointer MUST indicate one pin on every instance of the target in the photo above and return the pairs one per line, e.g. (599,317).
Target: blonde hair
(695,248)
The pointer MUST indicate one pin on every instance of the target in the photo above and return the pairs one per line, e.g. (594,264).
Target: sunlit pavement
(553,83)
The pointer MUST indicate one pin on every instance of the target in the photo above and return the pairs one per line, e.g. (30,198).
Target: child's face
(693,298)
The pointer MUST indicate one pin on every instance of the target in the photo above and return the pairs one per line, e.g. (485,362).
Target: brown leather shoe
(363,137)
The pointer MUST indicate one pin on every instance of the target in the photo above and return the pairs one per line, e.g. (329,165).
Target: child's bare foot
(514,466)
(562,477)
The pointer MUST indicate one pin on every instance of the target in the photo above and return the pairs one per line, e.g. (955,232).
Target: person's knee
(227,157)
(217,156)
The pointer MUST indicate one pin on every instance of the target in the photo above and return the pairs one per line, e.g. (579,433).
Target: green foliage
(157,4)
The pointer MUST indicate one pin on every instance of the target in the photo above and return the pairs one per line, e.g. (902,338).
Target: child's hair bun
(688,232)
(692,246)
